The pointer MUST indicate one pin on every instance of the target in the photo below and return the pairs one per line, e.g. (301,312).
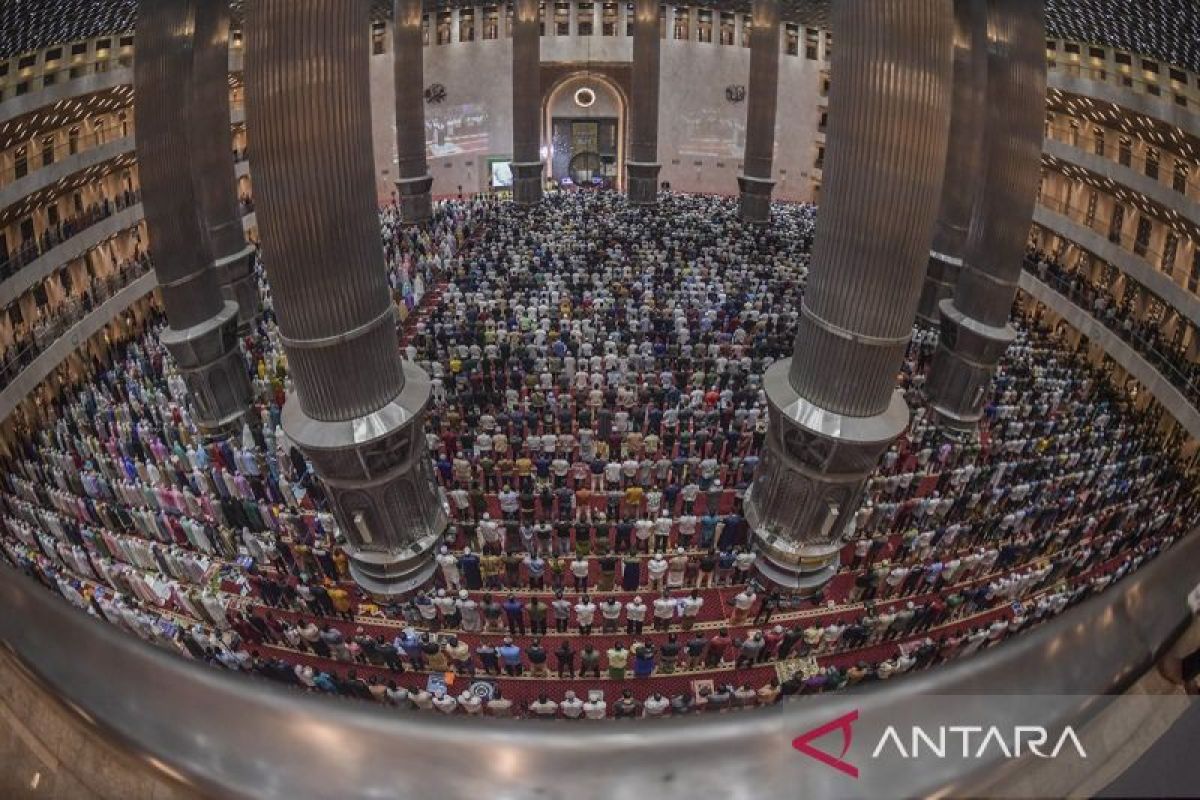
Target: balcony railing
(1143,336)
(40,157)
(1119,237)
(1163,90)
(65,230)
(64,316)
(1082,138)
(231,735)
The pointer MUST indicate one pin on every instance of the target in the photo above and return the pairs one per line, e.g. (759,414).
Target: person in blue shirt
(708,529)
(725,563)
(643,661)
(510,656)
(514,611)
(324,682)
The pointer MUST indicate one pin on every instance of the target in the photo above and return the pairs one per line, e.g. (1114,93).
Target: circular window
(585,97)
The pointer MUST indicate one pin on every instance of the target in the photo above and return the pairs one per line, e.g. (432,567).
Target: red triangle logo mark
(843,723)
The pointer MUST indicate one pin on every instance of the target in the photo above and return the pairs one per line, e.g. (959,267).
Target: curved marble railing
(1103,168)
(1178,404)
(234,736)
(1072,81)
(1173,294)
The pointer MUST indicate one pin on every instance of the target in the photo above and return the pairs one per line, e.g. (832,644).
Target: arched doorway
(585,131)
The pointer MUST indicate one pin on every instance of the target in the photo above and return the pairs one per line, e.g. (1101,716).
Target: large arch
(559,100)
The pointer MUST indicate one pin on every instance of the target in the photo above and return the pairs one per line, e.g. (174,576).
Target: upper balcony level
(1161,174)
(1128,81)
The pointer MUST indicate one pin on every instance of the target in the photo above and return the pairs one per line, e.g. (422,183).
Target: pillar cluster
(834,407)
(964,157)
(202,324)
(356,408)
(974,323)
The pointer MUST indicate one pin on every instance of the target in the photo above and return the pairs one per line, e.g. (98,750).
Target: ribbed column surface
(967,112)
(888,121)
(212,147)
(410,89)
(178,240)
(527,82)
(308,114)
(1013,141)
(643,116)
(762,93)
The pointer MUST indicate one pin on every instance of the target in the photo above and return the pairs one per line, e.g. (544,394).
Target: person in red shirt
(772,637)
(717,646)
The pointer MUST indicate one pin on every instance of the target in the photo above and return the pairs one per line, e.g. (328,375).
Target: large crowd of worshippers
(597,415)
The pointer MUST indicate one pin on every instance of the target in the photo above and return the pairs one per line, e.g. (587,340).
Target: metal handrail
(240,737)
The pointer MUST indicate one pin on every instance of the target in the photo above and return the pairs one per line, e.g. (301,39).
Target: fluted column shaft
(755,183)
(214,170)
(642,166)
(975,329)
(356,408)
(414,180)
(964,157)
(202,327)
(527,103)
(833,406)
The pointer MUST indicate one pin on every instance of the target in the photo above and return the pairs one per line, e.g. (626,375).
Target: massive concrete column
(833,405)
(213,167)
(201,331)
(755,182)
(527,103)
(356,408)
(641,168)
(413,181)
(964,157)
(974,324)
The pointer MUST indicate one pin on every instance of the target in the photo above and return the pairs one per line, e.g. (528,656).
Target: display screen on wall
(501,174)
(454,129)
(712,132)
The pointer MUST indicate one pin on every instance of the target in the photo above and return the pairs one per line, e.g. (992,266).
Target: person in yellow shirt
(634,497)
(342,562)
(341,600)
(618,659)
(490,567)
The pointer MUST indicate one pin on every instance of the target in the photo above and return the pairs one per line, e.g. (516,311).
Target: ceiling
(1168,30)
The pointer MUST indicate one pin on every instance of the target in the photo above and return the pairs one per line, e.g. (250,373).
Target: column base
(240,284)
(963,365)
(211,364)
(642,182)
(755,199)
(381,486)
(941,277)
(394,575)
(527,182)
(811,480)
(416,204)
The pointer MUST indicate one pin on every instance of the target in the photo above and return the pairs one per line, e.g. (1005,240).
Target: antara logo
(843,723)
(945,741)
